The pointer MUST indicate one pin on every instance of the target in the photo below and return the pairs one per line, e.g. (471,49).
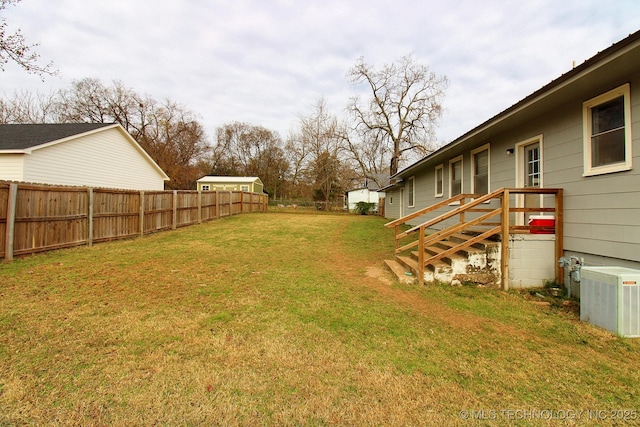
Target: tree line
(323,155)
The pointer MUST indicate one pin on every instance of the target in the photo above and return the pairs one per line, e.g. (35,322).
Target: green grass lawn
(275,319)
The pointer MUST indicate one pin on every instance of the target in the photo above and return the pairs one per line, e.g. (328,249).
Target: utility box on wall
(610,299)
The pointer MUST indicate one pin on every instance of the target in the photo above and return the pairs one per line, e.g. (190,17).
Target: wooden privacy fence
(37,218)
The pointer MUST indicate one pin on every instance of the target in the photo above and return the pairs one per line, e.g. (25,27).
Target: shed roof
(234,179)
(24,136)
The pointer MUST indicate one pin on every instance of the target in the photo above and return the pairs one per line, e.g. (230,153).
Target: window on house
(205,187)
(480,171)
(455,176)
(411,185)
(244,188)
(532,159)
(439,181)
(607,132)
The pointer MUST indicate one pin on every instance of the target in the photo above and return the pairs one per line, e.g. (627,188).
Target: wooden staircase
(465,239)
(455,261)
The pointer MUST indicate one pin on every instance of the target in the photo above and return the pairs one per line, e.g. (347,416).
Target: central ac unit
(610,298)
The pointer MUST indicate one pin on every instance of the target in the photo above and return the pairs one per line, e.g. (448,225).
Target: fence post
(504,252)
(11,221)
(217,204)
(230,203)
(175,210)
(199,207)
(90,216)
(141,213)
(559,235)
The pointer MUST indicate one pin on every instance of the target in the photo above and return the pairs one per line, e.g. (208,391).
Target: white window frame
(244,188)
(626,165)
(411,187)
(486,148)
(451,162)
(206,187)
(439,168)
(520,148)
(521,172)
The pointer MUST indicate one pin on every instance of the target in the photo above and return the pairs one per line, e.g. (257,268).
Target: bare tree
(27,107)
(402,111)
(14,48)
(170,134)
(319,141)
(245,149)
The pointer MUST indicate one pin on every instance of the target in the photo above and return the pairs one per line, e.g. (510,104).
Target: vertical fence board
(158,212)
(116,214)
(49,218)
(4,208)
(187,208)
(35,218)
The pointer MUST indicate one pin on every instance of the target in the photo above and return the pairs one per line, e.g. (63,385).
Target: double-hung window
(439,190)
(455,176)
(607,132)
(480,165)
(411,186)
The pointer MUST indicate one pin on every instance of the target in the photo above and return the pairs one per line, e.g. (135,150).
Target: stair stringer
(479,266)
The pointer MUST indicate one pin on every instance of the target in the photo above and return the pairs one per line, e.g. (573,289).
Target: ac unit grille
(610,299)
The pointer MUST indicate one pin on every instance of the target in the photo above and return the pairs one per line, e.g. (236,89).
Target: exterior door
(528,175)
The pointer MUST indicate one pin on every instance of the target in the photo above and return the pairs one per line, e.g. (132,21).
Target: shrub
(363,208)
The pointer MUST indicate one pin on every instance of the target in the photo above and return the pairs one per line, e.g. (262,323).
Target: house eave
(629,46)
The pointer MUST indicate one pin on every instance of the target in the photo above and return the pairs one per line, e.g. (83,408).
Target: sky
(267,62)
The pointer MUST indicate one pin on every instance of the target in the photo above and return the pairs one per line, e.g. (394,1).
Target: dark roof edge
(614,48)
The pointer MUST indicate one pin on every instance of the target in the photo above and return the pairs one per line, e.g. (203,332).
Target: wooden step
(462,237)
(408,262)
(448,244)
(444,262)
(400,271)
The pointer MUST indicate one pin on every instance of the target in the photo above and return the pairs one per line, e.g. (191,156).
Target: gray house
(569,153)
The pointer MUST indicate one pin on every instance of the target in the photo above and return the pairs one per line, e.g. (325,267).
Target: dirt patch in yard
(382,281)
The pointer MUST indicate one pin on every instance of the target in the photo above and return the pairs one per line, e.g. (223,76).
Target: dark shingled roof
(20,137)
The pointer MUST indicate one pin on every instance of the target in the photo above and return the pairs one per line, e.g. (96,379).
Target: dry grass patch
(282,319)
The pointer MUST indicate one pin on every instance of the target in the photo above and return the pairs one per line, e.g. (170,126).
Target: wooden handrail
(428,209)
(458,210)
(503,228)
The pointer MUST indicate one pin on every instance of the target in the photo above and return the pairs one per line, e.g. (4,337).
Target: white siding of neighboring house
(362,195)
(101,159)
(11,167)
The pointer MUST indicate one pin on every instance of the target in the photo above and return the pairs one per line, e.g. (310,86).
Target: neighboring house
(79,154)
(362,195)
(250,184)
(579,133)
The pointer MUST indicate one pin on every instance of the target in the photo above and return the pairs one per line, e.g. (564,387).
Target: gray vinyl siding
(601,213)
(392,203)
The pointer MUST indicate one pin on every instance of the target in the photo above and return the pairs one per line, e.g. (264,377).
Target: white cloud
(266,62)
